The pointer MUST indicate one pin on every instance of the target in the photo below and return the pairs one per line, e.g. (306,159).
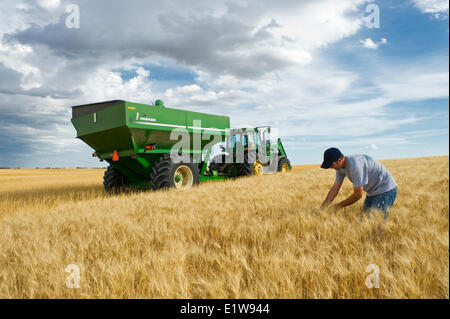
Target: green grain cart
(153,146)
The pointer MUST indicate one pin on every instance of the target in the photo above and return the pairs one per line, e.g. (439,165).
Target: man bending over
(366,174)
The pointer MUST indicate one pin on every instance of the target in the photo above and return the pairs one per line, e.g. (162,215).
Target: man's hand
(331,194)
(358,193)
(336,207)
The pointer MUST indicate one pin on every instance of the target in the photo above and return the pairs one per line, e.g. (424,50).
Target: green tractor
(156,147)
(251,151)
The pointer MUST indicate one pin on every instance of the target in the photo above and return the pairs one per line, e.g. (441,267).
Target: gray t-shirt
(363,170)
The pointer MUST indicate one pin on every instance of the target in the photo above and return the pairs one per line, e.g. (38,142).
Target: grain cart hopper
(135,139)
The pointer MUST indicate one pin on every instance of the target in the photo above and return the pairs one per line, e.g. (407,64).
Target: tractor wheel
(284,165)
(114,181)
(251,166)
(182,175)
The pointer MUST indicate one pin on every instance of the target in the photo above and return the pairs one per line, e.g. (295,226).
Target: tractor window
(267,136)
(228,141)
(250,137)
(236,139)
(231,140)
(261,137)
(245,142)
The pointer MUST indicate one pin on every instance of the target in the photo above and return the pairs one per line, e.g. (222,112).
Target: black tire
(246,168)
(281,162)
(163,172)
(114,181)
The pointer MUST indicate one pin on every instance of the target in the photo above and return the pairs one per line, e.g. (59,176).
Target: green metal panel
(99,120)
(154,124)
(281,148)
(104,130)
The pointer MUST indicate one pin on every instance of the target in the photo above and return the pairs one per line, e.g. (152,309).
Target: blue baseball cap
(330,156)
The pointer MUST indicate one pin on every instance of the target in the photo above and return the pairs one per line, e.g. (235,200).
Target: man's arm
(332,194)
(358,193)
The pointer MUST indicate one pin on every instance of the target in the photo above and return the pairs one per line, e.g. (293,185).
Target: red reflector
(115,156)
(94,155)
(149,147)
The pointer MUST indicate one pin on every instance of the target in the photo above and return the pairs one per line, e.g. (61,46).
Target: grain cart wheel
(166,173)
(113,180)
(284,165)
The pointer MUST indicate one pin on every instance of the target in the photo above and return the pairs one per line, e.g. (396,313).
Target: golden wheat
(255,237)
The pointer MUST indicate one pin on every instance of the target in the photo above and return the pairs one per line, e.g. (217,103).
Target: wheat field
(255,237)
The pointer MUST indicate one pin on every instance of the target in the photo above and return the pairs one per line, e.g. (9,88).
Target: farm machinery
(156,147)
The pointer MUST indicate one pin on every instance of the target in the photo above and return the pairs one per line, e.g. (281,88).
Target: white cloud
(49,4)
(438,8)
(13,57)
(318,23)
(105,85)
(416,85)
(246,39)
(370,44)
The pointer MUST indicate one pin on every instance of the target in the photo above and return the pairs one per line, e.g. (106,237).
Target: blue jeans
(381,202)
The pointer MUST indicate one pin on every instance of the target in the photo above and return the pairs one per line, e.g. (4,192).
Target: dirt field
(256,237)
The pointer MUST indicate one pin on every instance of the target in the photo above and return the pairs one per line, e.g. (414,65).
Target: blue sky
(313,69)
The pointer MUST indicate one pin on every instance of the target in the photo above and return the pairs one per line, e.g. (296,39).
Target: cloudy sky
(313,68)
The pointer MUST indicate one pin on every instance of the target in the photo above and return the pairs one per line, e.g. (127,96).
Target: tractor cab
(257,138)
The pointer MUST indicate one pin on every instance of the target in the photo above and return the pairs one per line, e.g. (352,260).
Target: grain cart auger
(155,147)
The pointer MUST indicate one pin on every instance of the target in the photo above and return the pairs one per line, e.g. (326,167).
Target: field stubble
(256,237)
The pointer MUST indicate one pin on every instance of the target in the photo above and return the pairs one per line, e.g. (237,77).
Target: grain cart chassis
(155,147)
